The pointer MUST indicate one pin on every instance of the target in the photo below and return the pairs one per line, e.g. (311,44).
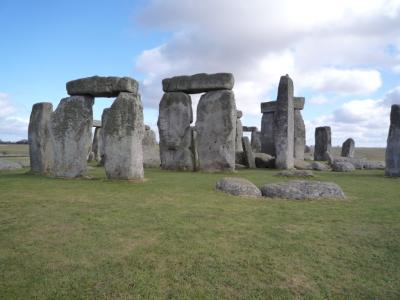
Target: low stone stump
(302,190)
(342,166)
(374,165)
(238,187)
(295,173)
(319,166)
(99,86)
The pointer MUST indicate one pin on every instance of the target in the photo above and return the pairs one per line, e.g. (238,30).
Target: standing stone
(267,134)
(239,132)
(175,116)
(393,144)
(256,141)
(348,148)
(322,143)
(96,145)
(102,145)
(123,132)
(248,153)
(299,135)
(151,153)
(71,132)
(40,147)
(284,125)
(216,131)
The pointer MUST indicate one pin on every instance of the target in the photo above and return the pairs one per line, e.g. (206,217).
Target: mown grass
(173,236)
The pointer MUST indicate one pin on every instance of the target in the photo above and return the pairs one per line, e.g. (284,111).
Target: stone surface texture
(71,135)
(40,145)
(238,187)
(248,153)
(393,144)
(99,86)
(216,131)
(322,142)
(348,148)
(295,173)
(123,134)
(256,141)
(97,143)
(301,190)
(176,135)
(342,166)
(151,152)
(239,135)
(299,135)
(267,134)
(199,83)
(264,160)
(102,147)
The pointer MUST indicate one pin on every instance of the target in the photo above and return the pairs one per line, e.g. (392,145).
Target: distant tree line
(21,142)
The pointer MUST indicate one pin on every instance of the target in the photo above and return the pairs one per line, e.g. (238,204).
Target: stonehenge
(211,144)
(322,143)
(60,141)
(248,153)
(272,120)
(239,132)
(348,148)
(392,156)
(151,153)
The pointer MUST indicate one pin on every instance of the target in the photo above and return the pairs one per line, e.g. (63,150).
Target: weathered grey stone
(40,146)
(199,83)
(239,135)
(239,158)
(102,145)
(216,131)
(299,135)
(248,153)
(240,166)
(264,160)
(90,156)
(97,144)
(123,134)
(96,123)
(239,114)
(342,166)
(249,128)
(256,141)
(393,144)
(374,165)
(176,136)
(270,106)
(319,166)
(284,125)
(307,149)
(301,190)
(322,142)
(358,163)
(348,148)
(267,134)
(329,157)
(99,86)
(151,152)
(6,165)
(71,135)
(295,173)
(238,187)
(302,165)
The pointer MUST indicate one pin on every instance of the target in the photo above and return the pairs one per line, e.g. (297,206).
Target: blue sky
(343,56)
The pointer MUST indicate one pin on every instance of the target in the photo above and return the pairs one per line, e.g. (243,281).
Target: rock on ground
(300,190)
(238,187)
(295,173)
(322,142)
(248,153)
(263,160)
(374,165)
(319,166)
(199,83)
(99,86)
(302,165)
(342,166)
(393,144)
(123,134)
(71,134)
(176,135)
(9,165)
(216,131)
(40,146)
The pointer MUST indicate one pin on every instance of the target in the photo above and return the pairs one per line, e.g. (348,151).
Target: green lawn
(174,236)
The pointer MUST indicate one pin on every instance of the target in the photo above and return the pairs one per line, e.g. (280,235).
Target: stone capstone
(123,134)
(238,187)
(322,143)
(301,190)
(71,136)
(249,128)
(392,155)
(99,86)
(199,83)
(40,146)
(176,135)
(348,148)
(216,131)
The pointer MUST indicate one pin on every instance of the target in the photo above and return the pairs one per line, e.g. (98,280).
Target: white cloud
(318,99)
(11,127)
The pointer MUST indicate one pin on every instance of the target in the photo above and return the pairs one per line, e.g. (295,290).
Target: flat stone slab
(270,106)
(199,83)
(295,173)
(342,166)
(238,187)
(250,128)
(301,190)
(319,166)
(99,86)
(97,123)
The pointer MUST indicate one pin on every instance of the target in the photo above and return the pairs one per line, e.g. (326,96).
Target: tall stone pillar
(322,143)
(239,132)
(299,128)
(393,144)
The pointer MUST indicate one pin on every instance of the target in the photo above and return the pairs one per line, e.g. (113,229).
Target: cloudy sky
(343,56)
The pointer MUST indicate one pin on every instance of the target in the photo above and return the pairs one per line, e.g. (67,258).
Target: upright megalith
(216,131)
(104,118)
(256,141)
(97,143)
(199,83)
(176,145)
(239,132)
(267,133)
(284,125)
(249,159)
(322,143)
(123,134)
(299,129)
(40,146)
(151,153)
(99,86)
(393,144)
(348,148)
(71,132)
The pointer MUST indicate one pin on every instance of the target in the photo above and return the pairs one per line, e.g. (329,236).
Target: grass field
(175,237)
